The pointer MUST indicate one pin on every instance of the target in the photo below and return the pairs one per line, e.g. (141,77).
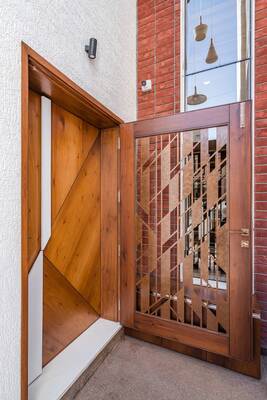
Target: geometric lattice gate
(186,228)
(182,227)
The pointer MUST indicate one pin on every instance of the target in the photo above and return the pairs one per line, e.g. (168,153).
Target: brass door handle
(244,231)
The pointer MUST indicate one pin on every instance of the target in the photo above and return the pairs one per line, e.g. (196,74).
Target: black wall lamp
(91,48)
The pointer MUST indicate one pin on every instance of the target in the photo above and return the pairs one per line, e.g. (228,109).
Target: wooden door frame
(40,76)
(240,143)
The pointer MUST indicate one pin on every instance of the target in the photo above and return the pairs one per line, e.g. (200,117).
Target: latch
(244,231)
(244,244)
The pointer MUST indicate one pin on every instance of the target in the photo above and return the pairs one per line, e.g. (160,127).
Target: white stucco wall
(58,30)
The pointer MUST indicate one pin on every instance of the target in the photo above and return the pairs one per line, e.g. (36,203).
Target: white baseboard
(60,374)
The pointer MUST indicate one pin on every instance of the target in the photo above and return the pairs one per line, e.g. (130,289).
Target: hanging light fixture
(212,56)
(201,31)
(196,98)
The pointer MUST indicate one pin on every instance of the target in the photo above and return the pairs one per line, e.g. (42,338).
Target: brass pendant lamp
(212,56)
(196,98)
(201,31)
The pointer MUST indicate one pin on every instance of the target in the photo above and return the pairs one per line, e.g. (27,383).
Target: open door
(186,229)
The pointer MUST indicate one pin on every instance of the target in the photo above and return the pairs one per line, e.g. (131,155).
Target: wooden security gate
(185,229)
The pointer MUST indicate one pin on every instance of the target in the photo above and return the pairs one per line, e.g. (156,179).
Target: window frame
(183,75)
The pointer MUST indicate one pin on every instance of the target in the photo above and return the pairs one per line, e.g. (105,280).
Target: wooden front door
(185,229)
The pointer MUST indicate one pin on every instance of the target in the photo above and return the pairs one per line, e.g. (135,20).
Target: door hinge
(242,115)
(119,250)
(119,143)
(119,196)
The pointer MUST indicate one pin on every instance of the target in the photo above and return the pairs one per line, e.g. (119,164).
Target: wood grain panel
(240,217)
(198,119)
(66,313)
(109,223)
(72,139)
(127,215)
(74,246)
(191,336)
(240,183)
(34,178)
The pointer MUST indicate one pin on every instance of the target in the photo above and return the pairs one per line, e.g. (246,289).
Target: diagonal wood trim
(72,141)
(74,246)
(66,313)
(49,81)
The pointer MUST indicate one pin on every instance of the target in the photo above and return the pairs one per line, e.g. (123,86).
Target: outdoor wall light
(91,48)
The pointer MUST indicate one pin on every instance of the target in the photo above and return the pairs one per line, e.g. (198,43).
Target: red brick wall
(261,161)
(159,57)
(159,60)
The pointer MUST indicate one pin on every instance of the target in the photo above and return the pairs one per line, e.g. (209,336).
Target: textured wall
(159,57)
(261,161)
(58,30)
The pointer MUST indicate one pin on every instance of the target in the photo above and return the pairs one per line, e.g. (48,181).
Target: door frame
(42,77)
(238,117)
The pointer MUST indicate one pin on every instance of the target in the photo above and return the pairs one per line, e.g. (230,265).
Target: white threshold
(60,373)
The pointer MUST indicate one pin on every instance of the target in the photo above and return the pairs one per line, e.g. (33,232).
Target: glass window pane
(227,23)
(222,85)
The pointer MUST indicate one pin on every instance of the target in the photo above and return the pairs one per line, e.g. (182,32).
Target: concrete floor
(136,370)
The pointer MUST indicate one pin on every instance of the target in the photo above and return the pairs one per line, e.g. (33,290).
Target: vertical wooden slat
(109,223)
(240,168)
(34,178)
(127,214)
(240,217)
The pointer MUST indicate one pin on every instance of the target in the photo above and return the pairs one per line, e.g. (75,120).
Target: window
(217,52)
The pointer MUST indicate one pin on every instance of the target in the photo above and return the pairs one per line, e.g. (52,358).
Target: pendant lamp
(201,31)
(196,98)
(212,56)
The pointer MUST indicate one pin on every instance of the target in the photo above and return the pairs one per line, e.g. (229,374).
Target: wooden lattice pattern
(182,238)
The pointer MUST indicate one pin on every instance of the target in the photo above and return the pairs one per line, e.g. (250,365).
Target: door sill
(63,371)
